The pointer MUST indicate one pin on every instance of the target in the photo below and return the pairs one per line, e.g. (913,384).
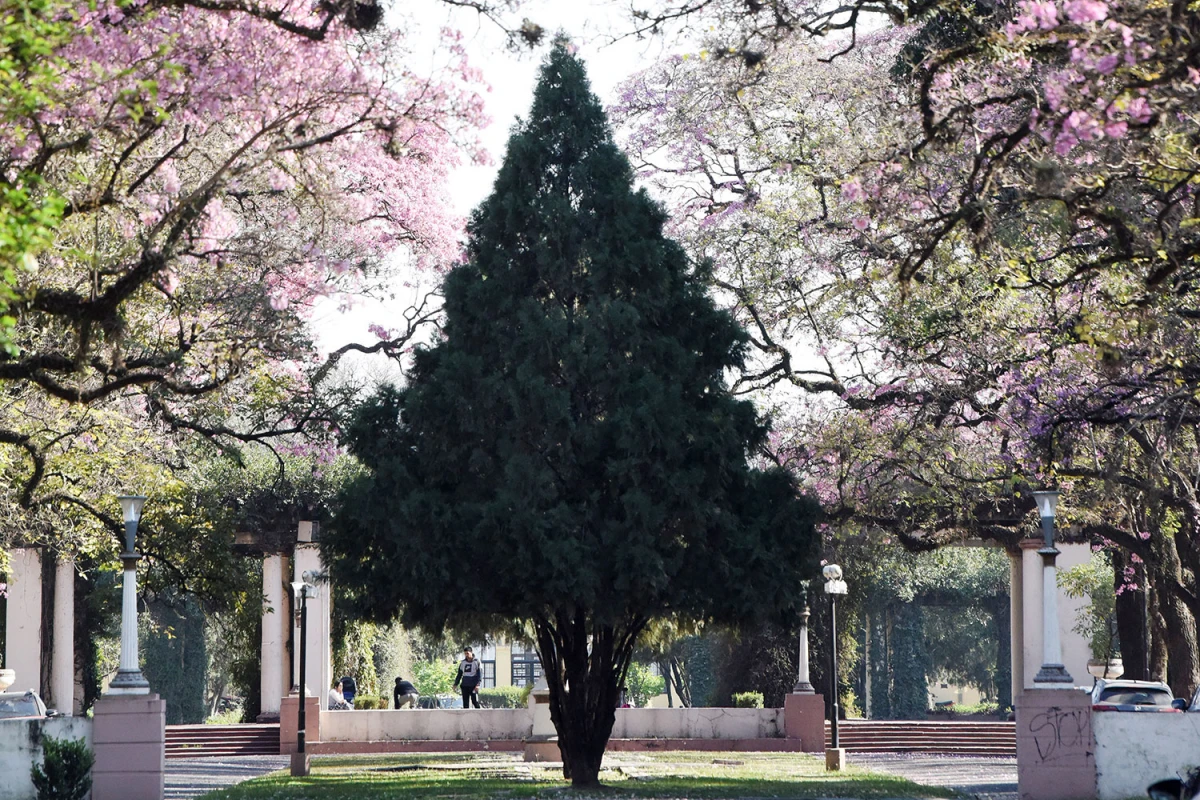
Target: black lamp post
(834,586)
(302,591)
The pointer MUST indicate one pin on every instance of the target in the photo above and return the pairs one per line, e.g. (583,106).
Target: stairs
(203,741)
(902,736)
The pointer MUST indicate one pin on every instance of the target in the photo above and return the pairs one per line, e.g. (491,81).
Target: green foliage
(748,700)
(434,677)
(910,664)
(367,702)
(576,422)
(65,771)
(175,659)
(1097,621)
(354,652)
(30,33)
(641,685)
(504,696)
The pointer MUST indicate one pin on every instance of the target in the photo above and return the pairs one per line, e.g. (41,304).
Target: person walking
(470,675)
(405,694)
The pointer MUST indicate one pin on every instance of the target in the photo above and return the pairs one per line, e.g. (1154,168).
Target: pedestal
(129,738)
(835,759)
(1055,748)
(804,719)
(543,744)
(289,723)
(301,765)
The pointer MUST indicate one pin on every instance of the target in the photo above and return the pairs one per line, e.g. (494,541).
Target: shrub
(748,700)
(65,773)
(367,702)
(641,685)
(502,697)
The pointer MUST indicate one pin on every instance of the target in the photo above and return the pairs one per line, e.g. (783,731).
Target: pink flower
(1083,11)
(852,191)
(1115,130)
(1139,111)
(861,223)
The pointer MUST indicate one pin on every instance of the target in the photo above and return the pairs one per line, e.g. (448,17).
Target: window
(526,668)
(489,674)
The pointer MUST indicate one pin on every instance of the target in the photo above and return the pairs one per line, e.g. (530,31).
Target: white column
(62,661)
(803,686)
(23,620)
(319,658)
(271,651)
(1016,622)
(1031,608)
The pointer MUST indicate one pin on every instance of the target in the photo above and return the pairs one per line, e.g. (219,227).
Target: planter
(7,678)
(1099,668)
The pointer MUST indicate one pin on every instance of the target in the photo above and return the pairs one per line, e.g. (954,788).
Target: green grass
(626,775)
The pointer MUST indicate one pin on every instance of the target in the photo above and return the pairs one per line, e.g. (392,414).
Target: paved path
(983,777)
(191,777)
(988,778)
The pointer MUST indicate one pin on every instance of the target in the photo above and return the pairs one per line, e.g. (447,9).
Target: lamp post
(1052,670)
(803,686)
(834,586)
(129,679)
(302,590)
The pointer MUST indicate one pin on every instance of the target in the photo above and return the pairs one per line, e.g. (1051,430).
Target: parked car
(1146,696)
(22,705)
(1194,705)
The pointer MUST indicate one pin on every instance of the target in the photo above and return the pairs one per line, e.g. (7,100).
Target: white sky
(590,24)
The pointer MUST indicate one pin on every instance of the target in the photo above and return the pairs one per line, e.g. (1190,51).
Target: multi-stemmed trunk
(584,662)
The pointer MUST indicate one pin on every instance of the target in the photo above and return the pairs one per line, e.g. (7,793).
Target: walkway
(982,777)
(188,778)
(987,778)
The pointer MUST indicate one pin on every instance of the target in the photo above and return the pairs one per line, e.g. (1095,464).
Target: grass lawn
(626,775)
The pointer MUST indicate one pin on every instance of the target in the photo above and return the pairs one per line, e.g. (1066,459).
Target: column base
(129,681)
(300,765)
(803,688)
(835,759)
(543,750)
(1053,673)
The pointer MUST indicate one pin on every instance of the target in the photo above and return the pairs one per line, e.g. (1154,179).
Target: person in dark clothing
(470,675)
(349,689)
(405,694)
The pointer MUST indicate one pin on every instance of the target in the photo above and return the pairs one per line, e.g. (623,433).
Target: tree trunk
(678,676)
(1158,637)
(1180,625)
(1132,622)
(584,663)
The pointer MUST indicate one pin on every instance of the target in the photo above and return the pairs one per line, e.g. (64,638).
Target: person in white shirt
(470,675)
(336,701)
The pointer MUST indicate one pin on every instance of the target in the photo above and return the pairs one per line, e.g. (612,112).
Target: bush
(65,773)
(503,697)
(748,700)
(642,685)
(366,702)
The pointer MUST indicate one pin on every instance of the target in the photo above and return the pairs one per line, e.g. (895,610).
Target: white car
(22,705)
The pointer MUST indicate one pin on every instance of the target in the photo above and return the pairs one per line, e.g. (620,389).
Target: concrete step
(203,741)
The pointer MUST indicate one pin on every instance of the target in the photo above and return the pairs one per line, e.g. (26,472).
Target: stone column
(1031,608)
(271,652)
(1016,617)
(23,620)
(319,661)
(62,661)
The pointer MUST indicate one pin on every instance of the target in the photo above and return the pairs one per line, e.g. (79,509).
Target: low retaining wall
(479,725)
(482,725)
(1136,750)
(21,747)
(699,723)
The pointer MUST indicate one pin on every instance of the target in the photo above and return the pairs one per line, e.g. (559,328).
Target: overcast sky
(590,24)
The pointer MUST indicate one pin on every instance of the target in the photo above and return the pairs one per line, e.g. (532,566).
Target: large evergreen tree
(570,454)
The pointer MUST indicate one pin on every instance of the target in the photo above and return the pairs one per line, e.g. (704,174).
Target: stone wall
(516,724)
(20,747)
(698,723)
(1136,750)
(426,724)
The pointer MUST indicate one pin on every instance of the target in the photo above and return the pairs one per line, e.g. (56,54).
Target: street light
(803,686)
(1052,670)
(129,679)
(302,590)
(834,586)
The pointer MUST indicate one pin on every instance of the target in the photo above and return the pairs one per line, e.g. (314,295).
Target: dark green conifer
(570,455)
